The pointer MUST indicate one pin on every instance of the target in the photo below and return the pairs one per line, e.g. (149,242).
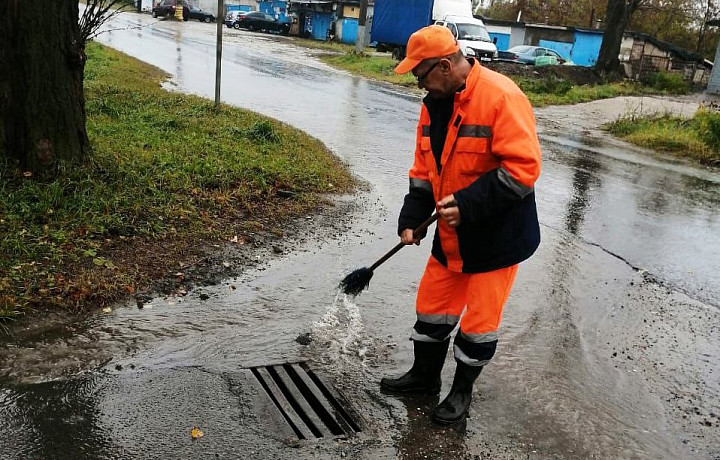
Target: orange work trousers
(441,299)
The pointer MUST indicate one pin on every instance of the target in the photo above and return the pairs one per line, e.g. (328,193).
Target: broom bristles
(357,281)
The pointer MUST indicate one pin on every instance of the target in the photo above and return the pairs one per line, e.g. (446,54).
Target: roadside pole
(360,42)
(218,55)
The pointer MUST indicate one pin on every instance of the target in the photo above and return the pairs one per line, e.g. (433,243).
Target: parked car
(166,8)
(526,54)
(261,21)
(200,15)
(233,16)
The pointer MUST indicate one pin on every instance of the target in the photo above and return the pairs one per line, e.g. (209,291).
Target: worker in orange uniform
(477,158)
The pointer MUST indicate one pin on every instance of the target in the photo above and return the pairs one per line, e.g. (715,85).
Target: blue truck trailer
(395,20)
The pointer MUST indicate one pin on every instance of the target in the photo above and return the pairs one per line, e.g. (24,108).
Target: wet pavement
(609,343)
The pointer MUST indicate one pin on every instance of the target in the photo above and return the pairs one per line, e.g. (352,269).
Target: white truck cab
(472,36)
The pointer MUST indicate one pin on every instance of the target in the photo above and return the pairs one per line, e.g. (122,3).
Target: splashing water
(342,333)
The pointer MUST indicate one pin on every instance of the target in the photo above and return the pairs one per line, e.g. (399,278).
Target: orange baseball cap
(427,43)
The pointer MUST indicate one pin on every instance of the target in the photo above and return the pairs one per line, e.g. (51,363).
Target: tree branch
(97,13)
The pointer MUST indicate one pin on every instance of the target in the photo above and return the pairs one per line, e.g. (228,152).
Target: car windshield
(473,32)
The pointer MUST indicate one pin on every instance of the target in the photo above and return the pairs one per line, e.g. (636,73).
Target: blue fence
(229,8)
(275,8)
(563,48)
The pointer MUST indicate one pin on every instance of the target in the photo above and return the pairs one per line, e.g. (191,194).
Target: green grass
(327,46)
(166,169)
(669,83)
(697,138)
(563,93)
(375,67)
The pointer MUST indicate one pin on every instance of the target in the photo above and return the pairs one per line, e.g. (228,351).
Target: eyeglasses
(421,78)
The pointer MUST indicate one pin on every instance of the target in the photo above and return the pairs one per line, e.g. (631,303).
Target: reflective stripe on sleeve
(475,131)
(509,181)
(421,184)
(426,130)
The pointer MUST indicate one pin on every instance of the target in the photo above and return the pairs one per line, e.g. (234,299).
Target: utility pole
(360,42)
(218,54)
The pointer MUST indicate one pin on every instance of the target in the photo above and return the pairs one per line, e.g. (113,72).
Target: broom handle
(419,229)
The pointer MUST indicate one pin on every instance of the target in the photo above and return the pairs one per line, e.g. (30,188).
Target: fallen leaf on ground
(107,310)
(196,433)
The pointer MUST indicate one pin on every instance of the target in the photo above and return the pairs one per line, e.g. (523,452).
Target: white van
(472,36)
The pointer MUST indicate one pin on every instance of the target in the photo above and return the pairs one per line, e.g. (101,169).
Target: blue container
(503,40)
(587,47)
(349,31)
(318,25)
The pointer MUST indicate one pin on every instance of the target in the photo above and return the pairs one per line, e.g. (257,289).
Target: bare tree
(42,100)
(617,17)
(709,10)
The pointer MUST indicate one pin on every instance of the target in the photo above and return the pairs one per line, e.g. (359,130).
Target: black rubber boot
(454,407)
(424,376)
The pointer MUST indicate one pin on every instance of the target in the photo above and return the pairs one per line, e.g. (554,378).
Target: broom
(354,283)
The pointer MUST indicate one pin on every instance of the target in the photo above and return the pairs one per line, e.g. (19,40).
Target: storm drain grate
(311,408)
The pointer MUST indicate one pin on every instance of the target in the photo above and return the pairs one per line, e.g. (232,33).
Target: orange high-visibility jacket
(490,162)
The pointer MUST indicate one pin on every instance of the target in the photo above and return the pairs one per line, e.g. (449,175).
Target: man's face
(432,75)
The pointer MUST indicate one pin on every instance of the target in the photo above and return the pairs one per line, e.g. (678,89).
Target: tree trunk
(42,104)
(617,17)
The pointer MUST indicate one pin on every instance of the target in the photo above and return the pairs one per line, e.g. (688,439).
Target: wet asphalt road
(609,345)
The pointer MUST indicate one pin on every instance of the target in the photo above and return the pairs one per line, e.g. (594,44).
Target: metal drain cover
(311,408)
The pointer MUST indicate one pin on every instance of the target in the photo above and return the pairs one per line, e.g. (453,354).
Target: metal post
(218,55)
(360,42)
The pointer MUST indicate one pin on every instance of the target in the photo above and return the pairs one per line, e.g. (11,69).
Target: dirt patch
(577,75)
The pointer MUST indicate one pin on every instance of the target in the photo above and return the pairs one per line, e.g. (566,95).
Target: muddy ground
(173,272)
(577,75)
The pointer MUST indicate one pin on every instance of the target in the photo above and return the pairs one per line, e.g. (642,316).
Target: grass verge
(561,92)
(368,66)
(331,46)
(697,138)
(170,173)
